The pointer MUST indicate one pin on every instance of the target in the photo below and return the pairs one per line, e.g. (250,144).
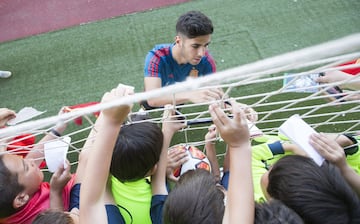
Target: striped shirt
(159,62)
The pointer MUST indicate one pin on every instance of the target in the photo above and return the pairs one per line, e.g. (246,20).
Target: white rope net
(276,88)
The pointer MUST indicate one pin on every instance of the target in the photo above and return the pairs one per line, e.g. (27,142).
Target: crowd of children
(124,169)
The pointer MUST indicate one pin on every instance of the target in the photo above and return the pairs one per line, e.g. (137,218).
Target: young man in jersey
(188,56)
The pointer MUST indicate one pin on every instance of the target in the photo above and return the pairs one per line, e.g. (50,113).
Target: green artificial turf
(78,64)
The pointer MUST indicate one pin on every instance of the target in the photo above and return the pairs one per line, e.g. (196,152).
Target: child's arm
(169,126)
(37,153)
(86,151)
(211,152)
(98,165)
(334,153)
(57,183)
(6,115)
(338,76)
(175,158)
(235,132)
(249,112)
(158,180)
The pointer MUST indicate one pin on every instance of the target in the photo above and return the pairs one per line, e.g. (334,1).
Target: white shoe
(5,74)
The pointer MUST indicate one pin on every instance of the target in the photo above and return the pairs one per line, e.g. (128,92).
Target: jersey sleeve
(67,192)
(262,152)
(211,65)
(156,210)
(152,65)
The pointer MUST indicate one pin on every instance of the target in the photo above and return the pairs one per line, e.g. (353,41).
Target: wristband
(54,132)
(276,148)
(351,149)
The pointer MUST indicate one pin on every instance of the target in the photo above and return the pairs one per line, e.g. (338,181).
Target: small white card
(25,114)
(298,131)
(55,153)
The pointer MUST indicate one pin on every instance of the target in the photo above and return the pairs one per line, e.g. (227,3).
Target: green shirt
(263,157)
(133,199)
(260,153)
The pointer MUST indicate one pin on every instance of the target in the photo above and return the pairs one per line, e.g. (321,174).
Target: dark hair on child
(9,189)
(52,216)
(317,194)
(137,150)
(275,212)
(193,24)
(194,199)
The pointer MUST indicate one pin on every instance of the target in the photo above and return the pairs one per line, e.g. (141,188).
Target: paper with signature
(298,131)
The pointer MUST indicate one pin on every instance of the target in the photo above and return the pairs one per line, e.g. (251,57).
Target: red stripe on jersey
(211,61)
(155,60)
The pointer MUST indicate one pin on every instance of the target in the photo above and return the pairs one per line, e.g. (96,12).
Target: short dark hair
(9,189)
(194,199)
(317,194)
(275,212)
(193,24)
(137,150)
(54,217)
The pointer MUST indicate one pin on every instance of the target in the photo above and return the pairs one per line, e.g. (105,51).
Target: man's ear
(177,39)
(20,200)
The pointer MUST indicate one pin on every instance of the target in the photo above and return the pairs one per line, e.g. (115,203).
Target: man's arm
(197,96)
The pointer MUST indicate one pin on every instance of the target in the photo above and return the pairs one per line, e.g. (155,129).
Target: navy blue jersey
(159,62)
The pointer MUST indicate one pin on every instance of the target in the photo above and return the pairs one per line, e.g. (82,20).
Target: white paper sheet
(298,131)
(25,114)
(55,153)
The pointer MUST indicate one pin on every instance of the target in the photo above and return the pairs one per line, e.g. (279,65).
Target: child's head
(317,194)
(275,212)
(195,199)
(194,24)
(54,217)
(19,180)
(137,151)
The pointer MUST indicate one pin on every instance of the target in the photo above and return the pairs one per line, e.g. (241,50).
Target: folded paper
(25,114)
(55,153)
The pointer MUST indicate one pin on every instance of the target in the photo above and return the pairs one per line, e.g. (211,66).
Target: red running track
(22,18)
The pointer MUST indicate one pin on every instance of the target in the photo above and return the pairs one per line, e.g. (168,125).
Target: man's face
(29,174)
(192,50)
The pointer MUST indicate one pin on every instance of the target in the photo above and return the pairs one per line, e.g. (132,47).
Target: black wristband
(54,132)
(351,149)
(276,148)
